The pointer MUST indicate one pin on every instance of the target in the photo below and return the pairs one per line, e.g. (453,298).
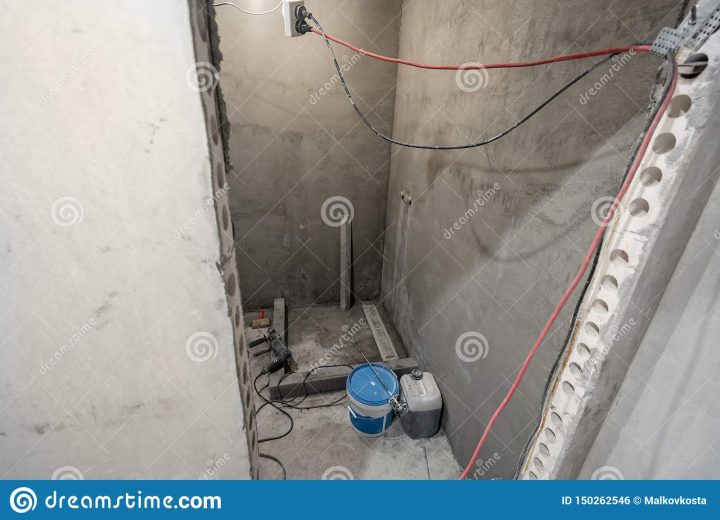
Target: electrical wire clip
(692,33)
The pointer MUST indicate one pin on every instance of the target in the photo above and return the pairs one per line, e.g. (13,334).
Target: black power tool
(279,349)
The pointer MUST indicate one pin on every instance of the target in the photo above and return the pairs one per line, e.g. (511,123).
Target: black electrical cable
(289,405)
(446,147)
(556,364)
(267,401)
(292,425)
(282,467)
(295,406)
(292,400)
(573,322)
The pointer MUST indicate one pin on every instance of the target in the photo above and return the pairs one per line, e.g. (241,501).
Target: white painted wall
(103,157)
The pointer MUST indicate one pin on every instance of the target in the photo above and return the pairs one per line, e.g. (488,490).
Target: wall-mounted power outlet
(288,11)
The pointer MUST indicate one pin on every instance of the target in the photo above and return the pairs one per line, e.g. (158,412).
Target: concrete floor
(322,444)
(311,330)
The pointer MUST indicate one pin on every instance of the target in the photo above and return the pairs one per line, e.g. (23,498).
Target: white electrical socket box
(288,12)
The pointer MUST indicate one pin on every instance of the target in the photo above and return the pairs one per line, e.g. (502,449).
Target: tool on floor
(261,322)
(279,349)
(261,352)
(259,341)
(424,404)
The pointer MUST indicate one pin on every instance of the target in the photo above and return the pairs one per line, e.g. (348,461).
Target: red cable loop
(556,59)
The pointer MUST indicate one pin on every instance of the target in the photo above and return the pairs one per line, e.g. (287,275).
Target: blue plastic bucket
(370,410)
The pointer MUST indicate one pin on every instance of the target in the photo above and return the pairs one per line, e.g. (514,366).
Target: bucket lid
(363,384)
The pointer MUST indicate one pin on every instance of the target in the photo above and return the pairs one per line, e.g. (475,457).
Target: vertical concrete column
(345,264)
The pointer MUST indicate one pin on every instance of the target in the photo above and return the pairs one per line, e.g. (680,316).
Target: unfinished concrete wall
(118,351)
(482,243)
(296,143)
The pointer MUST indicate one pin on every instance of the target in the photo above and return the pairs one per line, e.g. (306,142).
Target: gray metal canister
(422,395)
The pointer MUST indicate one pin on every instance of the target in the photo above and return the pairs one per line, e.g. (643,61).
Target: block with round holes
(641,250)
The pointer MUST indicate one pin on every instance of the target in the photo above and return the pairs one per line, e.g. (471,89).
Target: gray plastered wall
(501,270)
(296,142)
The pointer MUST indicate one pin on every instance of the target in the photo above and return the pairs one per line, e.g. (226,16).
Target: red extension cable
(601,230)
(556,59)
